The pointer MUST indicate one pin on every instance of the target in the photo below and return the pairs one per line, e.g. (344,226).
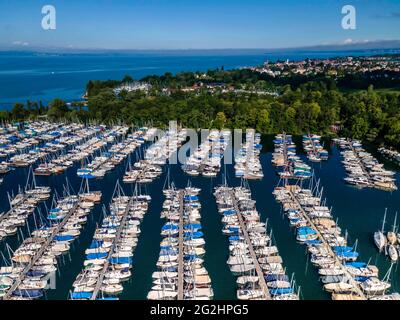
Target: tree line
(303,104)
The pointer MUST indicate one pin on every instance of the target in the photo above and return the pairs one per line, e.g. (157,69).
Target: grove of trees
(301,105)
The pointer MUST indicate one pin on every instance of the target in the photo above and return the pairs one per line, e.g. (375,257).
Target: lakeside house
(133,86)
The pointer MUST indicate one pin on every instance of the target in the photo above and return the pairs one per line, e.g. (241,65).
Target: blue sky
(187,24)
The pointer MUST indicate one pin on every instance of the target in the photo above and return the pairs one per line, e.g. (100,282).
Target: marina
(313,148)
(181,274)
(345,278)
(36,257)
(109,257)
(87,138)
(156,155)
(390,154)
(206,159)
(200,158)
(21,207)
(252,258)
(49,143)
(363,169)
(284,157)
(247,162)
(388,242)
(205,274)
(107,160)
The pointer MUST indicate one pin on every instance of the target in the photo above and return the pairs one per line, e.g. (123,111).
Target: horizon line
(355,45)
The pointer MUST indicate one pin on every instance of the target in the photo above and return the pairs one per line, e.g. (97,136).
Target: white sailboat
(379,237)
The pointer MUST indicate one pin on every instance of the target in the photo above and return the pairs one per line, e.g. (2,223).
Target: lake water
(360,212)
(43,77)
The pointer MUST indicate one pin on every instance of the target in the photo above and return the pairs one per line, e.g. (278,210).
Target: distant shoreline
(378,46)
(39,76)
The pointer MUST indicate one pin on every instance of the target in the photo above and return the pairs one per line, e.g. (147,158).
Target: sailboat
(391,235)
(379,237)
(393,253)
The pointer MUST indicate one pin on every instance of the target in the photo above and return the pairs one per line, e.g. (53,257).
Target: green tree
(220,120)
(57,109)
(18,112)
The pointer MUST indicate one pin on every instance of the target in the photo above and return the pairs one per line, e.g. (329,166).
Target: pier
(107,262)
(357,289)
(40,253)
(361,163)
(6,214)
(180,258)
(314,149)
(260,273)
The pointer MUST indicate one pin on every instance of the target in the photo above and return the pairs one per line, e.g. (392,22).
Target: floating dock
(107,262)
(180,258)
(40,253)
(357,289)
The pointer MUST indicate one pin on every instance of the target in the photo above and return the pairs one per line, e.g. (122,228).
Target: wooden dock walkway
(40,253)
(180,258)
(328,248)
(107,262)
(260,273)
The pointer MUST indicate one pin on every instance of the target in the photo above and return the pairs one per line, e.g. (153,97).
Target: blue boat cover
(81,295)
(279,291)
(63,238)
(31,293)
(192,226)
(306,230)
(229,212)
(361,279)
(356,264)
(170,226)
(166,247)
(234,238)
(275,277)
(121,260)
(96,244)
(342,249)
(195,235)
(191,198)
(97,255)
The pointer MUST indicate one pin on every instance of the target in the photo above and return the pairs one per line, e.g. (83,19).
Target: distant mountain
(347,45)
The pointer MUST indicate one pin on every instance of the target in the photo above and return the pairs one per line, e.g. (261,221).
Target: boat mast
(384,219)
(394,223)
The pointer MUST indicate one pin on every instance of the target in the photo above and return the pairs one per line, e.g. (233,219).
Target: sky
(194,24)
